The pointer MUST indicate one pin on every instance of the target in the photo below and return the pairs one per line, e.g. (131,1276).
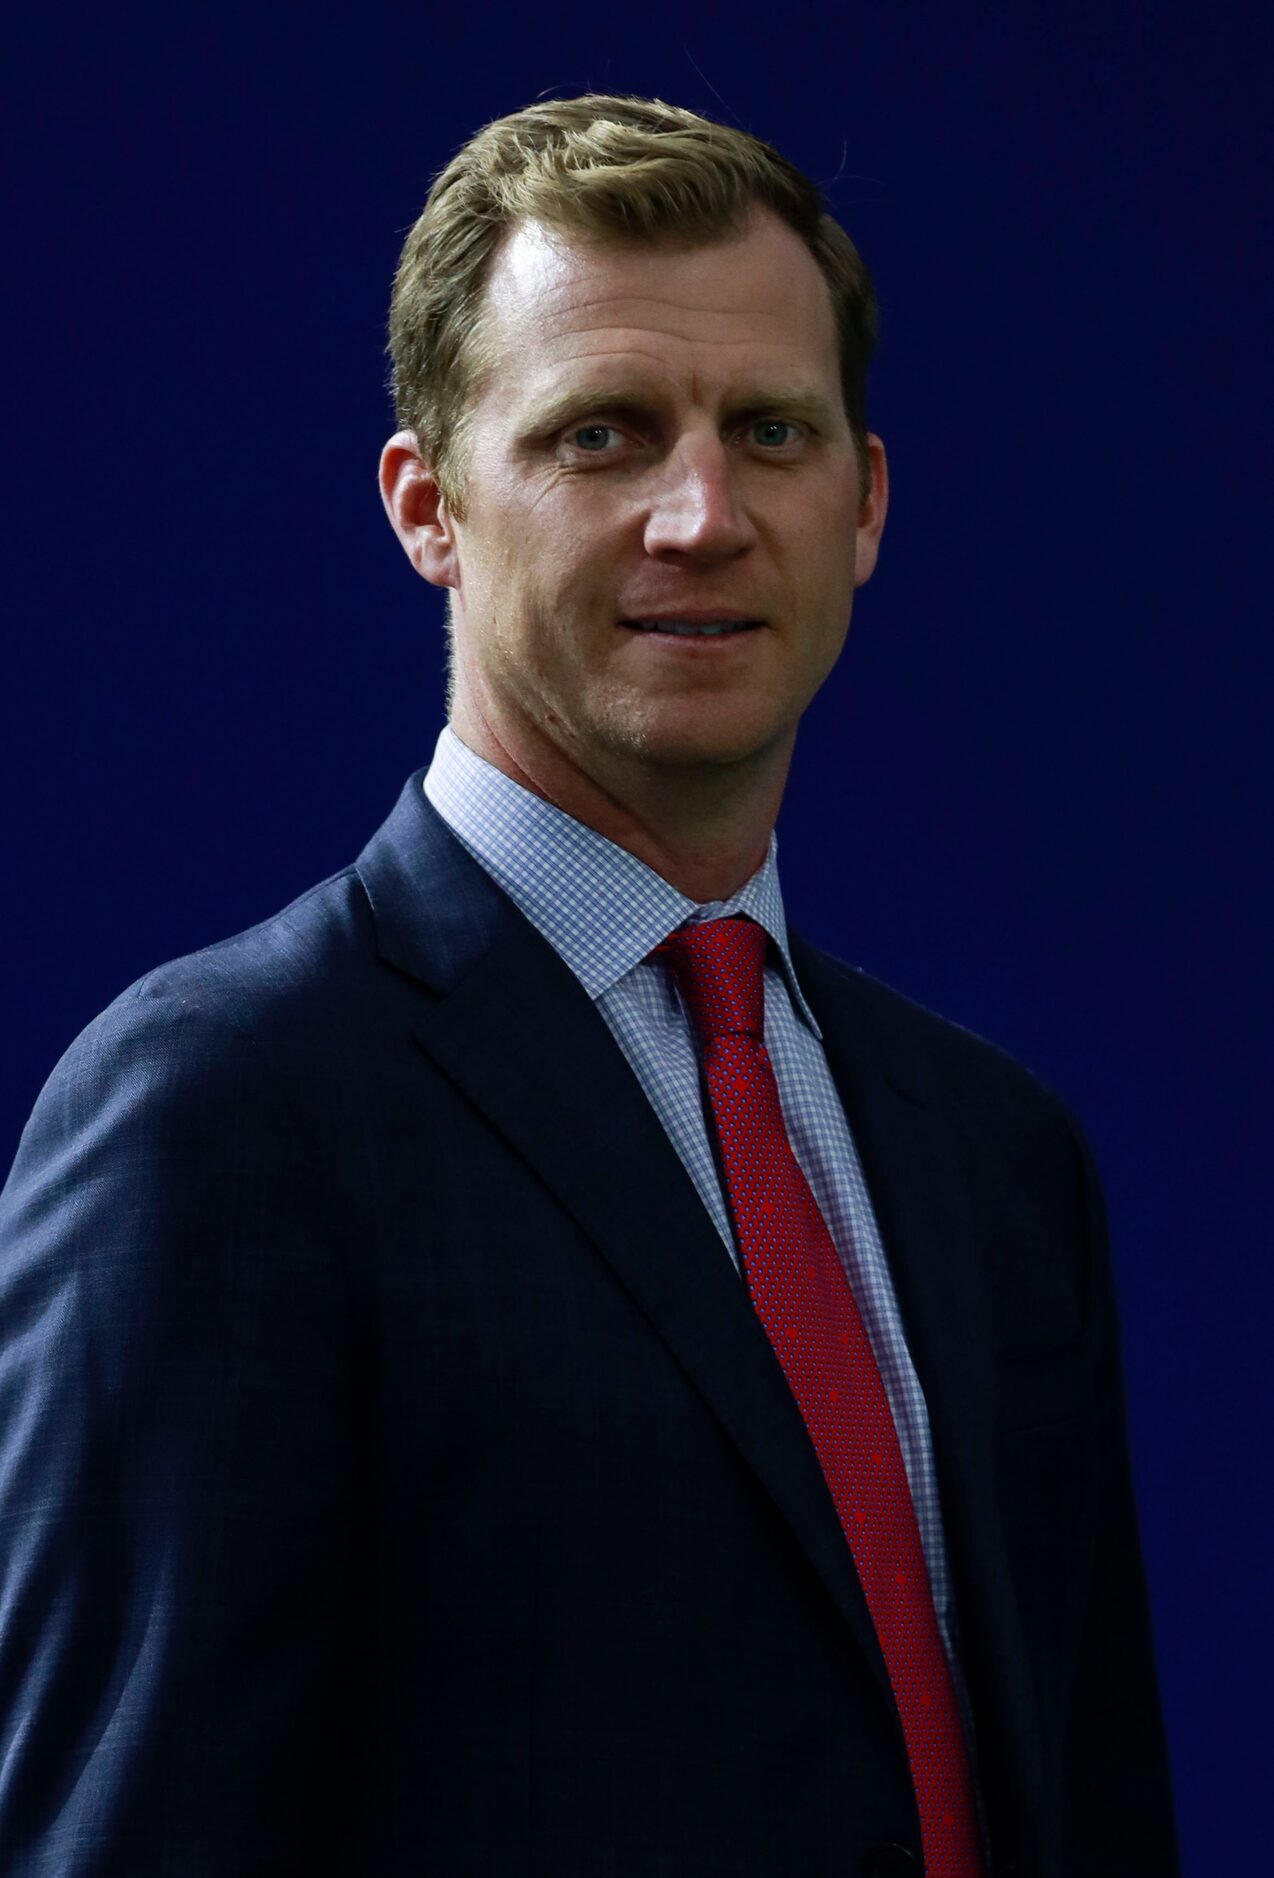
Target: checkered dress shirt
(602,910)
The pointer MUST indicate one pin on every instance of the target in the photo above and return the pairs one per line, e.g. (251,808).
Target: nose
(696,508)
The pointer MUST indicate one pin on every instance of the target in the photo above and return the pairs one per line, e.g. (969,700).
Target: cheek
(558,553)
(828,572)
(575,588)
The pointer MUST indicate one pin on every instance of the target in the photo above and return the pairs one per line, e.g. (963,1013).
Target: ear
(417,513)
(871,513)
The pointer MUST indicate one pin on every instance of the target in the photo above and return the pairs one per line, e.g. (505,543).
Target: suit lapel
(512,1028)
(910,1144)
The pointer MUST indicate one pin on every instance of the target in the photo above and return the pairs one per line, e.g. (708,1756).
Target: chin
(678,746)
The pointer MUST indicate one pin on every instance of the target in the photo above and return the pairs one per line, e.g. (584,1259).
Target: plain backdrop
(1033,795)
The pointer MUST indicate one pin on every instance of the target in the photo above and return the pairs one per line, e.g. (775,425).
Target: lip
(692,615)
(712,646)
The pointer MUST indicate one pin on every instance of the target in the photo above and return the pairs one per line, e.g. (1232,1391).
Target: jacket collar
(600,907)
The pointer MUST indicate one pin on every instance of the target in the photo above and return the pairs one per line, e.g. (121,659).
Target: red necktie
(800,1292)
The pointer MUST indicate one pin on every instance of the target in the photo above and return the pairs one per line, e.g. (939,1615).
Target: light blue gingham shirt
(603,910)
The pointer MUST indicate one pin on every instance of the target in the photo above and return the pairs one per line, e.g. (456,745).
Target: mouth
(691,629)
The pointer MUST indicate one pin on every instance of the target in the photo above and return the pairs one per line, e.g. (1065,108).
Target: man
(520,1363)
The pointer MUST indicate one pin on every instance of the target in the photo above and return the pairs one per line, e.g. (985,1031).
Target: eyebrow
(544,420)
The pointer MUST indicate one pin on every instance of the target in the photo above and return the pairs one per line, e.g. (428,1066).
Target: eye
(774,423)
(590,430)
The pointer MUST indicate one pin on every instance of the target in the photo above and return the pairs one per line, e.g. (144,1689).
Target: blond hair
(610,169)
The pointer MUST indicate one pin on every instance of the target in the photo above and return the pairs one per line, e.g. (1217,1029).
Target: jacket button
(892,1861)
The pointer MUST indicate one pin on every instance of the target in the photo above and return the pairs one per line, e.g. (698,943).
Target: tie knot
(717,964)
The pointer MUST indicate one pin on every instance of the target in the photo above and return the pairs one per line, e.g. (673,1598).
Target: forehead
(559,306)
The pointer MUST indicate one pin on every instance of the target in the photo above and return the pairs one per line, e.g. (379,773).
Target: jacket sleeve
(176,1460)
(1118,1816)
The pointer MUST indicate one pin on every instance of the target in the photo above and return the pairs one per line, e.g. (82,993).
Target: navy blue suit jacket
(394,1477)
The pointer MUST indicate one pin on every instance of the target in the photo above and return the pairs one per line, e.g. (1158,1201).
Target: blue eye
(599,433)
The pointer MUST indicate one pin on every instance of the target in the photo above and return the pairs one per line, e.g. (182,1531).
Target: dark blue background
(1032,795)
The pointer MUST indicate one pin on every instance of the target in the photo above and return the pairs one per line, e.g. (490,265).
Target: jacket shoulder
(946,1059)
(267,1009)
(274,980)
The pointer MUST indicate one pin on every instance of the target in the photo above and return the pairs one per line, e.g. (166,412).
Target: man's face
(664,435)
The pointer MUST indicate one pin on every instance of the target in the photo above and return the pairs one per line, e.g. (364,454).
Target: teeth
(687,628)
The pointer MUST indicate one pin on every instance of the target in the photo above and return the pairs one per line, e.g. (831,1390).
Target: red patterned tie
(799,1291)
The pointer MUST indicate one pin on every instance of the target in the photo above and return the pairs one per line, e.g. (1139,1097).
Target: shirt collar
(600,907)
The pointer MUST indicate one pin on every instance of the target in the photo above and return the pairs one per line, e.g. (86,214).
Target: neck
(705,830)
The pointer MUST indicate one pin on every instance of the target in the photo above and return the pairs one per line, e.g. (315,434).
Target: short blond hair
(610,169)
